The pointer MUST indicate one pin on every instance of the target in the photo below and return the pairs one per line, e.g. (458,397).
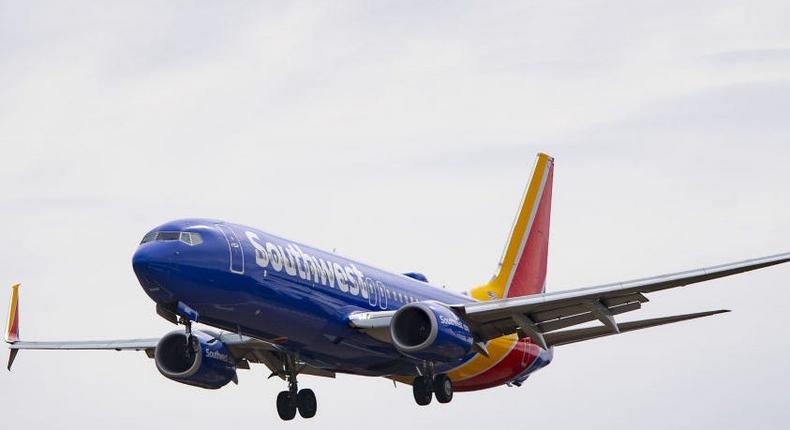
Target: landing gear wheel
(421,387)
(286,406)
(306,403)
(443,388)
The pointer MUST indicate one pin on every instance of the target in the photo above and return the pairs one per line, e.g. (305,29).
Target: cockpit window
(187,237)
(148,237)
(191,238)
(167,235)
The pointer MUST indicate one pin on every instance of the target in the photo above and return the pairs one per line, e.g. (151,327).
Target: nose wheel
(425,387)
(294,400)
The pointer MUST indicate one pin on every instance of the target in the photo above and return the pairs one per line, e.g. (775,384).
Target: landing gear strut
(425,386)
(192,347)
(294,399)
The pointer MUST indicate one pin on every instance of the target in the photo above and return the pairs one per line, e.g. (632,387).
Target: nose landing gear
(192,346)
(425,386)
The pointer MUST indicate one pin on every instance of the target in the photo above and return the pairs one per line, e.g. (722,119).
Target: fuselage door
(234,246)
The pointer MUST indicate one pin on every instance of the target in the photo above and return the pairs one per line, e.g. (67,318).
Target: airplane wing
(538,314)
(147,345)
(543,316)
(244,348)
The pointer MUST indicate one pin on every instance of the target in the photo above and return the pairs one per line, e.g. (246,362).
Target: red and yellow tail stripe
(12,329)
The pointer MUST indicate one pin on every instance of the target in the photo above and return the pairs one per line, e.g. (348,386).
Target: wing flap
(572,316)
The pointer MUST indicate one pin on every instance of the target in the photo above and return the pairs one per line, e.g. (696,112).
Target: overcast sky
(402,134)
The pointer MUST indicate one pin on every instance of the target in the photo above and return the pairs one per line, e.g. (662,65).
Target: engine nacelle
(430,331)
(206,363)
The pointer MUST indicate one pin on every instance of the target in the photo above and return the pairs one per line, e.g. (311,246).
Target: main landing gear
(424,387)
(294,399)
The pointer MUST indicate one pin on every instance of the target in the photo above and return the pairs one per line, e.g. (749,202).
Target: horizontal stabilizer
(578,335)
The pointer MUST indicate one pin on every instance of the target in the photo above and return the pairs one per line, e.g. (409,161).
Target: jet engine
(430,331)
(204,362)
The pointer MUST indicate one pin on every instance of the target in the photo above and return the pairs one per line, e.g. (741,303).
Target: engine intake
(206,363)
(430,331)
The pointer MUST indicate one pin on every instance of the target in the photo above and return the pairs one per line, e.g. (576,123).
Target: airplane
(302,311)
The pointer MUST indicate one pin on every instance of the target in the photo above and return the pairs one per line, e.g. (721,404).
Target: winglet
(12,329)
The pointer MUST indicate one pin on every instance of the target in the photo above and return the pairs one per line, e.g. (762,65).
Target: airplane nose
(139,259)
(150,264)
(143,260)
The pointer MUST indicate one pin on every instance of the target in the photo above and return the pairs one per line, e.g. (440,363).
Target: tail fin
(522,270)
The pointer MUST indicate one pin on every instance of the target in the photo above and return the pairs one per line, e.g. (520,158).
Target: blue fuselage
(243,280)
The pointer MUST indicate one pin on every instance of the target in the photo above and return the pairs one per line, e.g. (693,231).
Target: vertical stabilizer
(522,270)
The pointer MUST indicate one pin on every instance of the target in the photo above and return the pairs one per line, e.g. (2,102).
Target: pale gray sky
(402,133)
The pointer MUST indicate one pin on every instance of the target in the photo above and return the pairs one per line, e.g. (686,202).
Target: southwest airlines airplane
(299,310)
